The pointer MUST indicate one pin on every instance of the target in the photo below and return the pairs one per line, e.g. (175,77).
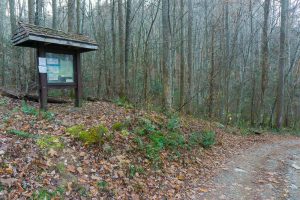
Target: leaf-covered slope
(142,154)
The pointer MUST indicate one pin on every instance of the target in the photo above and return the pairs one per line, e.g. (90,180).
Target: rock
(239,170)
(293,187)
(295,166)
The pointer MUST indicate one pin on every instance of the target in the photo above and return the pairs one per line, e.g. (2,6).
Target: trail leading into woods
(266,171)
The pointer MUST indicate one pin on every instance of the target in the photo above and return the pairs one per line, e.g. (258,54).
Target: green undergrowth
(95,135)
(22,134)
(152,139)
(123,102)
(50,142)
(30,110)
(43,141)
(45,194)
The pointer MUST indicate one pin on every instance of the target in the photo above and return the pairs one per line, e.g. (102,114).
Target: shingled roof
(29,35)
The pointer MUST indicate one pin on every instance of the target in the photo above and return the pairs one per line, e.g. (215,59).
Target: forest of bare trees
(237,62)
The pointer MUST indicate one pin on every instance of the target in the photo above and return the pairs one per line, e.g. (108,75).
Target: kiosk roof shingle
(29,35)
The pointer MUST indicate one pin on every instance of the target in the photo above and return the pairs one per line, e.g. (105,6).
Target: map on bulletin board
(60,68)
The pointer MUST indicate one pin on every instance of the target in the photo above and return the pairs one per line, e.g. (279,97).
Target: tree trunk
(78,4)
(281,66)
(165,55)
(211,75)
(264,61)
(39,12)
(31,11)
(71,16)
(182,71)
(127,44)
(54,14)
(121,50)
(190,54)
(2,54)
(113,35)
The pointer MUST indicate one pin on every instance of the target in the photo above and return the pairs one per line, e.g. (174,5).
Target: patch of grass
(61,168)
(81,190)
(3,102)
(95,135)
(44,194)
(208,139)
(146,126)
(107,149)
(138,140)
(135,169)
(22,134)
(195,139)
(175,140)
(47,142)
(123,102)
(102,185)
(118,126)
(30,110)
(173,123)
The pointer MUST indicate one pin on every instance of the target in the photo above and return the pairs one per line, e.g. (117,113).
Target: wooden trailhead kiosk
(57,58)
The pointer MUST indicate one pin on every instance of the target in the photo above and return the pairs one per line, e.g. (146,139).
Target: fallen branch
(29,97)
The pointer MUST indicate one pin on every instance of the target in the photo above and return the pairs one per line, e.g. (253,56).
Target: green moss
(118,126)
(47,142)
(95,135)
(75,130)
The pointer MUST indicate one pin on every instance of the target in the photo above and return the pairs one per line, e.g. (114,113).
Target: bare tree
(167,104)
(127,43)
(54,14)
(264,59)
(71,16)
(190,52)
(121,50)
(182,70)
(281,66)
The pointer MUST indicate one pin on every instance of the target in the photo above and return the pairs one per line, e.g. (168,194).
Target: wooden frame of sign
(53,41)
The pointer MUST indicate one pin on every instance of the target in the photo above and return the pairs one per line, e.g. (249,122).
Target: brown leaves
(8,181)
(83,168)
(71,168)
(52,152)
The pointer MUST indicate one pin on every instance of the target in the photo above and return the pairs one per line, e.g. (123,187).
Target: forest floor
(142,155)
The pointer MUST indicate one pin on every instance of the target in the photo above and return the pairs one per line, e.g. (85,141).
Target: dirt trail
(268,171)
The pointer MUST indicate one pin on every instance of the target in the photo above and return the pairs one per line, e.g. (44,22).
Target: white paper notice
(42,69)
(42,61)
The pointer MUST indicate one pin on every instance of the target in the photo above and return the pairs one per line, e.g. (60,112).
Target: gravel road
(266,171)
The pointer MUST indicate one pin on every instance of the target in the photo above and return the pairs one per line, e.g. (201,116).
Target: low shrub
(208,139)
(123,102)
(173,124)
(175,140)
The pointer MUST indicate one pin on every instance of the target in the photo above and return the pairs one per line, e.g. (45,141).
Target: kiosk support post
(43,90)
(78,81)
